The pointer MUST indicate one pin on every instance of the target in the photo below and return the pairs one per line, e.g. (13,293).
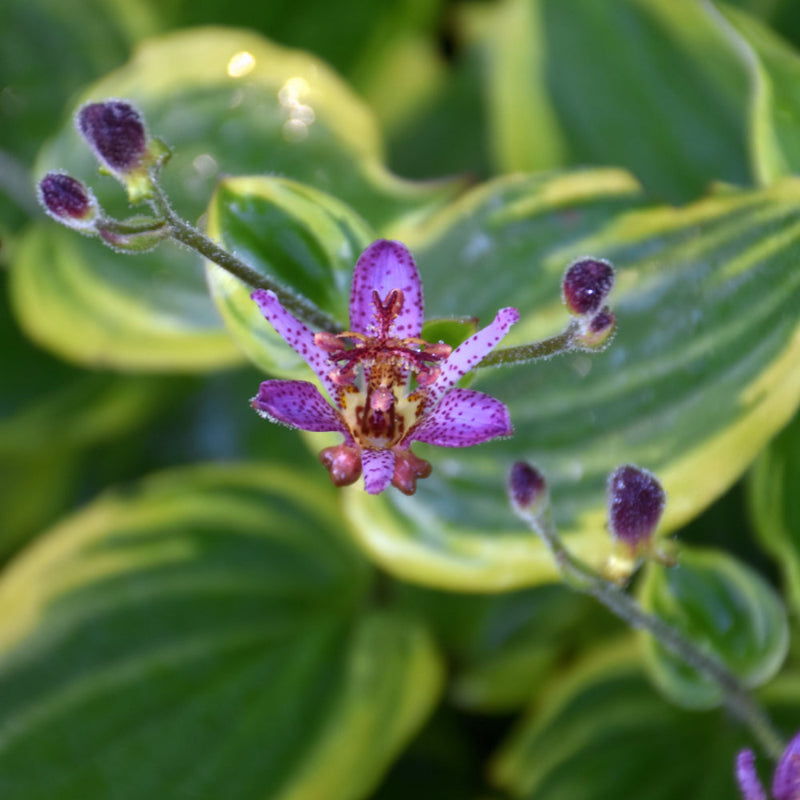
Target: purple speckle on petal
(786,781)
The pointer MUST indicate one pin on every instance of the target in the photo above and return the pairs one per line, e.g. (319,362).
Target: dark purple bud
(115,131)
(67,200)
(586,285)
(747,777)
(786,781)
(527,488)
(598,330)
(635,504)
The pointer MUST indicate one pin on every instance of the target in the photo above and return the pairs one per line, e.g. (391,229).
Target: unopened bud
(70,202)
(527,489)
(598,331)
(136,241)
(586,285)
(635,504)
(115,131)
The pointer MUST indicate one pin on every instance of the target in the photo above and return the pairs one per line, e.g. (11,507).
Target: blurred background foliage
(212,632)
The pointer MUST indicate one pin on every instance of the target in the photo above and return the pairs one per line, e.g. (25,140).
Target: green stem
(182,232)
(524,353)
(583,579)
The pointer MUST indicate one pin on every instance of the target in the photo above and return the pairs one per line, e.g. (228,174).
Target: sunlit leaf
(227,102)
(203,635)
(702,373)
(723,607)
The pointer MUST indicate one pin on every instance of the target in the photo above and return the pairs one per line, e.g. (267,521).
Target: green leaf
(654,86)
(204,635)
(775,504)
(723,607)
(227,102)
(49,414)
(50,50)
(775,115)
(602,732)
(702,373)
(302,239)
(505,647)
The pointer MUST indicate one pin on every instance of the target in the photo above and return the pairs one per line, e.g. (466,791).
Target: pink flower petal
(298,404)
(297,336)
(747,777)
(384,266)
(378,466)
(470,353)
(464,418)
(786,782)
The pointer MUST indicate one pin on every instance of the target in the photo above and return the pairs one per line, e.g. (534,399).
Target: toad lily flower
(389,387)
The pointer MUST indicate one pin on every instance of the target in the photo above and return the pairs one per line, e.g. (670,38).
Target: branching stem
(186,234)
(582,578)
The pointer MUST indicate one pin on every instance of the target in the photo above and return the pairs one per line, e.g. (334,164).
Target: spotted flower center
(374,373)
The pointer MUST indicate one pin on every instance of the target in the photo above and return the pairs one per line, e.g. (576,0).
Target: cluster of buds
(116,133)
(587,283)
(636,502)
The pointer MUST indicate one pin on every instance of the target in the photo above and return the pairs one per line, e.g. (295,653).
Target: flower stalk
(582,578)
(117,134)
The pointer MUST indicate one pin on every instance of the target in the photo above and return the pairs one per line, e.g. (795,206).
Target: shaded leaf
(723,607)
(203,635)
(603,732)
(775,504)
(653,86)
(775,115)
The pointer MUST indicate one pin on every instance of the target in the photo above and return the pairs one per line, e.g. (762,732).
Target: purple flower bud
(68,200)
(635,504)
(786,781)
(586,285)
(598,330)
(116,132)
(527,488)
(747,777)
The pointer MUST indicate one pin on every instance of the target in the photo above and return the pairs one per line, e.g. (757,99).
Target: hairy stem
(524,353)
(582,578)
(186,234)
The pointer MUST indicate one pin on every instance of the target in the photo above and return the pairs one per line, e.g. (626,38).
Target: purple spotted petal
(378,467)
(470,353)
(464,418)
(297,404)
(384,266)
(747,777)
(786,783)
(296,335)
